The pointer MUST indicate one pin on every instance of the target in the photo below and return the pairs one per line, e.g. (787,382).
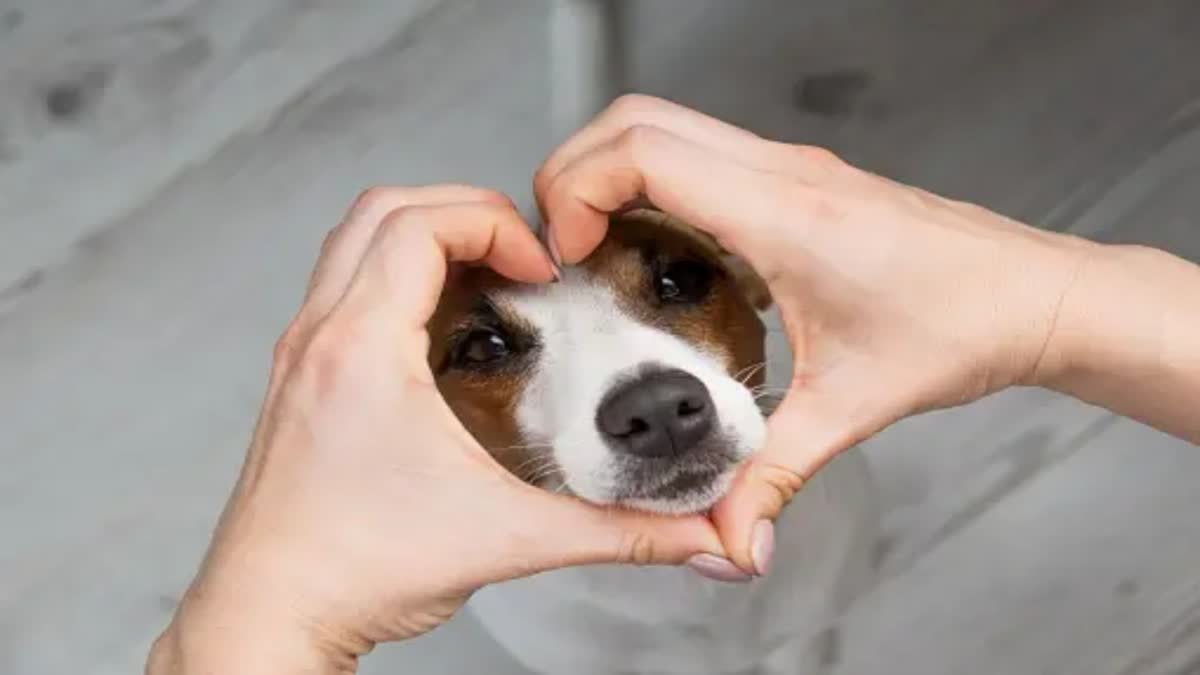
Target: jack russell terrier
(638,381)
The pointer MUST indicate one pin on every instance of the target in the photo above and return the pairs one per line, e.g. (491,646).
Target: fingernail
(552,247)
(762,546)
(552,250)
(717,568)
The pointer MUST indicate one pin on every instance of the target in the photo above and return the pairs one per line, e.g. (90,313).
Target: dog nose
(659,414)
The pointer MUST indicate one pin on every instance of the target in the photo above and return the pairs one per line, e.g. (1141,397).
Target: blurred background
(168,168)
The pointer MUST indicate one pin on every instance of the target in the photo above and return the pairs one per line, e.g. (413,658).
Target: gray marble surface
(168,167)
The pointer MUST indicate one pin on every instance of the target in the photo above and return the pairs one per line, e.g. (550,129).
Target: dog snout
(659,414)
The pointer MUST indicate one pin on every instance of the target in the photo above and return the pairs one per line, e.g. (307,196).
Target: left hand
(365,512)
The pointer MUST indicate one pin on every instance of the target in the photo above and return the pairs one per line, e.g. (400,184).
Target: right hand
(895,300)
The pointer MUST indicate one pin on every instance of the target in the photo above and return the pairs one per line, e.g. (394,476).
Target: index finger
(732,142)
(731,201)
(405,266)
(346,244)
(633,110)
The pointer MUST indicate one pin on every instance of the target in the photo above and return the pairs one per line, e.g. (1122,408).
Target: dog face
(628,382)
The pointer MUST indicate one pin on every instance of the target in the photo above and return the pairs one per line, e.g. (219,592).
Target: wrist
(230,628)
(1111,327)
(1056,293)
(1035,274)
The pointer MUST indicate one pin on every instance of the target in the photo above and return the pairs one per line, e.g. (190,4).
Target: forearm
(1127,337)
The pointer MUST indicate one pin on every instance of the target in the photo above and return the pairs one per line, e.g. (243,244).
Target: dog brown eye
(482,347)
(683,281)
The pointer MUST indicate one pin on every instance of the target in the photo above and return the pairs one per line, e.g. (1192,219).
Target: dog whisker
(745,374)
(541,471)
(537,460)
(532,461)
(543,475)
(520,446)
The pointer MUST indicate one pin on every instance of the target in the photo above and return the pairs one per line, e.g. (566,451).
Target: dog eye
(482,347)
(683,281)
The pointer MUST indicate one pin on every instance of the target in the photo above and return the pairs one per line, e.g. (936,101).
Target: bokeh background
(168,168)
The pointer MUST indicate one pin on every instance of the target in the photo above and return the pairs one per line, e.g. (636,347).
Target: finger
(725,198)
(801,439)
(404,268)
(729,141)
(638,110)
(566,531)
(346,244)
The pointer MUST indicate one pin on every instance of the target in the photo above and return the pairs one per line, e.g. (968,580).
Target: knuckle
(496,213)
(782,479)
(376,197)
(546,175)
(400,218)
(542,179)
(636,548)
(638,138)
(495,198)
(462,192)
(820,154)
(328,352)
(817,156)
(633,106)
(330,241)
(287,346)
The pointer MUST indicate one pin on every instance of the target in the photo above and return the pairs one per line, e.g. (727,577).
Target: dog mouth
(689,483)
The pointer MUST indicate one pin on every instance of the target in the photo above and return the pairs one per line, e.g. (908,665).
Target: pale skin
(365,513)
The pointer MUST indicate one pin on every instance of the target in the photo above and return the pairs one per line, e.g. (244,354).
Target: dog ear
(752,286)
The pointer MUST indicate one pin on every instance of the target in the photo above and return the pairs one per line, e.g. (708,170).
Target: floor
(168,167)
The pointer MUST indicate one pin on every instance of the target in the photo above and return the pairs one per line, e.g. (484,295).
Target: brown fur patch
(724,324)
(752,286)
(485,402)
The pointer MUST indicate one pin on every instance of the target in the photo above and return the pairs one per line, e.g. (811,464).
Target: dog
(639,381)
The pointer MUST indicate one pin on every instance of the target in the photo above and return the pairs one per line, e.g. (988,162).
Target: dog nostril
(637,426)
(690,407)
(660,414)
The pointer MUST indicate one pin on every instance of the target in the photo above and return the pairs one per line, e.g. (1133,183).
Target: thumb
(800,439)
(568,532)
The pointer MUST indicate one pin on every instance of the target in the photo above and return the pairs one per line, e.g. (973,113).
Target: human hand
(895,300)
(365,512)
